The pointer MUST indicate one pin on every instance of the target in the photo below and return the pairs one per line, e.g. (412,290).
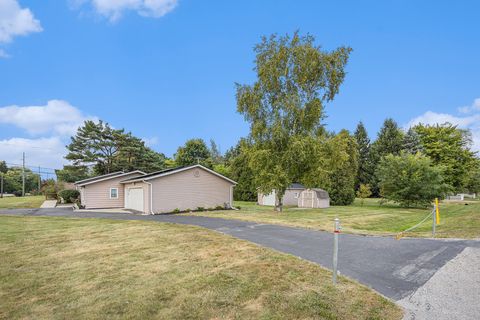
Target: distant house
(163,191)
(293,195)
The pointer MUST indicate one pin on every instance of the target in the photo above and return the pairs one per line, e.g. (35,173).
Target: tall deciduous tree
(295,79)
(194,151)
(449,147)
(410,180)
(364,174)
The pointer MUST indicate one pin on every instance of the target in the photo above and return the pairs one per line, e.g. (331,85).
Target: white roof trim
(180,170)
(110,177)
(99,177)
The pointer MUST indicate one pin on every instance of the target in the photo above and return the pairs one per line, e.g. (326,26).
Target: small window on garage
(296,195)
(113,193)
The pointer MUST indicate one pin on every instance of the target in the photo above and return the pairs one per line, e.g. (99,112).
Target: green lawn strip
(458,220)
(94,268)
(21,202)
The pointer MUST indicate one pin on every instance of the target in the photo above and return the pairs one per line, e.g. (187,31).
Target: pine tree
(411,142)
(364,175)
(389,141)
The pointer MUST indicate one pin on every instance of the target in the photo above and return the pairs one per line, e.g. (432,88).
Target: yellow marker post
(437,211)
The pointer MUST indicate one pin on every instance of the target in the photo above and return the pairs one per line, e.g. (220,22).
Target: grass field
(21,202)
(94,268)
(457,219)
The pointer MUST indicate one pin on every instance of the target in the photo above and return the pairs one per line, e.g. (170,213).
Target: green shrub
(176,210)
(69,196)
(200,209)
(17,193)
(219,208)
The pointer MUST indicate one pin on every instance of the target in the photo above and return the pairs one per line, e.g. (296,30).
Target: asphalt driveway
(395,268)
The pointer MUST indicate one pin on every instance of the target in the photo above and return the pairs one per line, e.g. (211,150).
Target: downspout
(151,196)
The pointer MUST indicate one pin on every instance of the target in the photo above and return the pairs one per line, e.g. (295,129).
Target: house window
(113,193)
(296,195)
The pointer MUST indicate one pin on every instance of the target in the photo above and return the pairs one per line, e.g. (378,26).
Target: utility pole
(39,180)
(1,184)
(23,175)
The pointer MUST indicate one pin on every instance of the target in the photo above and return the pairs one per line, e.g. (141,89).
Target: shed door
(269,199)
(307,199)
(135,199)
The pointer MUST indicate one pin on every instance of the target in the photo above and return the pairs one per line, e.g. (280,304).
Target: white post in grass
(434,221)
(336,231)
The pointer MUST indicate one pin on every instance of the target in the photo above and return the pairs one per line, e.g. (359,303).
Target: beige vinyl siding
(97,195)
(146,193)
(289,198)
(309,199)
(184,190)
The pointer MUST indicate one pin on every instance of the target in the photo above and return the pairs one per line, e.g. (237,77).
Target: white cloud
(150,142)
(470,122)
(114,9)
(50,125)
(57,117)
(472,108)
(431,118)
(16,21)
(47,152)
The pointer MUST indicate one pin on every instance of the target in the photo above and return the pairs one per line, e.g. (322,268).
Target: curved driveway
(395,268)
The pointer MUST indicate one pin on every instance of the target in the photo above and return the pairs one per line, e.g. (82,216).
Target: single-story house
(183,188)
(299,196)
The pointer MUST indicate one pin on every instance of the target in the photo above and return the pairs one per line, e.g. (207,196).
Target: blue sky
(166,69)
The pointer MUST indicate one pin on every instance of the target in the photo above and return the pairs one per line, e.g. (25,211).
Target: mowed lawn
(67,268)
(21,202)
(458,220)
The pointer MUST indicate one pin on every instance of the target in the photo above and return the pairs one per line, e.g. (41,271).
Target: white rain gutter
(151,195)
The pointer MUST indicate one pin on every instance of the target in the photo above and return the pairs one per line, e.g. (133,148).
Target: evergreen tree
(389,141)
(411,142)
(364,176)
(3,167)
(110,150)
(215,153)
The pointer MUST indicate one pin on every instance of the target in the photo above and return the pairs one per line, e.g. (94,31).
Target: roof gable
(171,171)
(107,177)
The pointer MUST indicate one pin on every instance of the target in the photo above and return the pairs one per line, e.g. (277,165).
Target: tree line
(12,179)
(288,141)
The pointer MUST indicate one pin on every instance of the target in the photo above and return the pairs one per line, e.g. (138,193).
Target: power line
(20,146)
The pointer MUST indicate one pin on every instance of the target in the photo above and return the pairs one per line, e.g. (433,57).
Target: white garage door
(135,199)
